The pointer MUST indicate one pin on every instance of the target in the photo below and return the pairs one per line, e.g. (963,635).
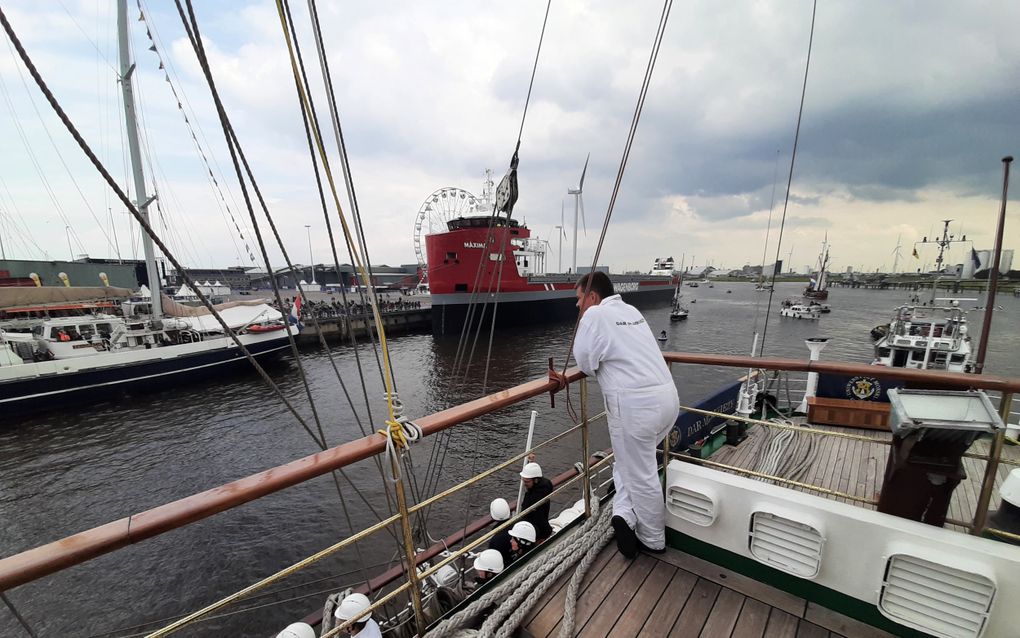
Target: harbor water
(70,470)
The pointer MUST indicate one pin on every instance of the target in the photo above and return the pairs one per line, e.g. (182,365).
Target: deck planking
(676,594)
(857,468)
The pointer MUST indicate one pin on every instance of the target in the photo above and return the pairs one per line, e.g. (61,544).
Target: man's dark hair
(600,284)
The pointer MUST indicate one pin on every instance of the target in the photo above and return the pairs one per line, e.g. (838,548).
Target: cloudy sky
(910,107)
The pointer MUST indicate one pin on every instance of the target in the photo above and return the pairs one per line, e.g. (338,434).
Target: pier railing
(79,548)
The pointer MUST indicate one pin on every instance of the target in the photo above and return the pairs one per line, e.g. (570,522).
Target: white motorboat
(927,338)
(797,310)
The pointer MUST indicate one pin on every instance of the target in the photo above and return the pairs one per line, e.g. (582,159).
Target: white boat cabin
(927,338)
(796,310)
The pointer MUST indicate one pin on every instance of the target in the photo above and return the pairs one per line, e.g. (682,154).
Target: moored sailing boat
(91,357)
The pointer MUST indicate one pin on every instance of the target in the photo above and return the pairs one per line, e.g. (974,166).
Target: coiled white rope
(518,594)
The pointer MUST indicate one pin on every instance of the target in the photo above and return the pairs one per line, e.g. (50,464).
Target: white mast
(142,201)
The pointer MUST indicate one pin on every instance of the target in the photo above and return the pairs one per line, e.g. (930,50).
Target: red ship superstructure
(512,273)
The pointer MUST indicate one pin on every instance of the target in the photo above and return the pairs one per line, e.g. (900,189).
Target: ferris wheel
(438,208)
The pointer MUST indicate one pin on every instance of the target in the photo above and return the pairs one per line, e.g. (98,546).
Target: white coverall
(615,345)
(370,630)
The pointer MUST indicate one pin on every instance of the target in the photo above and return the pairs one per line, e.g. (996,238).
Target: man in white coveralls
(615,345)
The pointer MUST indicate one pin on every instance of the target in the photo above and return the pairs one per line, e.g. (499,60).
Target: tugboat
(927,338)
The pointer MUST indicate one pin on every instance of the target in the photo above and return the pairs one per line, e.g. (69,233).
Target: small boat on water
(678,312)
(926,338)
(798,310)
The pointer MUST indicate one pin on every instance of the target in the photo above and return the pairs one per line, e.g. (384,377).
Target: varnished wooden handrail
(46,559)
(926,378)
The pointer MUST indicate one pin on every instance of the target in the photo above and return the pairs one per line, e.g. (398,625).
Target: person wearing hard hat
(536,487)
(297,630)
(522,538)
(487,564)
(355,607)
(615,345)
(499,510)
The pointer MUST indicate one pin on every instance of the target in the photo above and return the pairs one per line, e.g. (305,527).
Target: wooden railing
(76,549)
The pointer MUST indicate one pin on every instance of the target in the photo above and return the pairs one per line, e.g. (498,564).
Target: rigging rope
(133,210)
(765,247)
(391,421)
(237,153)
(148,230)
(345,167)
(789,179)
(308,123)
(635,119)
(166,68)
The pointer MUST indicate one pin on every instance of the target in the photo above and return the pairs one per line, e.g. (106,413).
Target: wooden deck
(675,594)
(858,467)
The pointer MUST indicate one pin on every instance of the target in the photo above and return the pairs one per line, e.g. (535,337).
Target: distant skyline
(907,115)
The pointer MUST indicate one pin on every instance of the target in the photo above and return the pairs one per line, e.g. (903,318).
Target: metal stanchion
(991,468)
(586,478)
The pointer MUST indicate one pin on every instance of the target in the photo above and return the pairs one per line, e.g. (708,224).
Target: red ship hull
(465,272)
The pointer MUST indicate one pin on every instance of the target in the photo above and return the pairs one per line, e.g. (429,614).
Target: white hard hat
(524,531)
(531,470)
(489,561)
(1010,490)
(499,509)
(354,607)
(297,630)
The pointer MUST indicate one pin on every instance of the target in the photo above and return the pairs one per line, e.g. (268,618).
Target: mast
(993,276)
(822,279)
(127,69)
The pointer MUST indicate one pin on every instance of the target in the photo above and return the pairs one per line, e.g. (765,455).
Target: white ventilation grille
(940,600)
(786,544)
(691,506)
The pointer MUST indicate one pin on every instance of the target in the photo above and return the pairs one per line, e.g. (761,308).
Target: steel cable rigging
(789,179)
(239,159)
(635,119)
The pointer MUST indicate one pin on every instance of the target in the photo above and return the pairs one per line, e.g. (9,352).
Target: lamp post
(311,262)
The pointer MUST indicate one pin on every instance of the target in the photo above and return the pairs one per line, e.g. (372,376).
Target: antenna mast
(943,242)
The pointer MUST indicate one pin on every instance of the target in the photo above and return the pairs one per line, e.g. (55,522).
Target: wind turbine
(561,234)
(578,208)
(896,255)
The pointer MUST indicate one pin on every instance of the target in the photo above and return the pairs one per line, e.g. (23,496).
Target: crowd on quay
(334,307)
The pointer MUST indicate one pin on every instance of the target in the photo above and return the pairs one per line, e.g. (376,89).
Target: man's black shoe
(626,539)
(648,550)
